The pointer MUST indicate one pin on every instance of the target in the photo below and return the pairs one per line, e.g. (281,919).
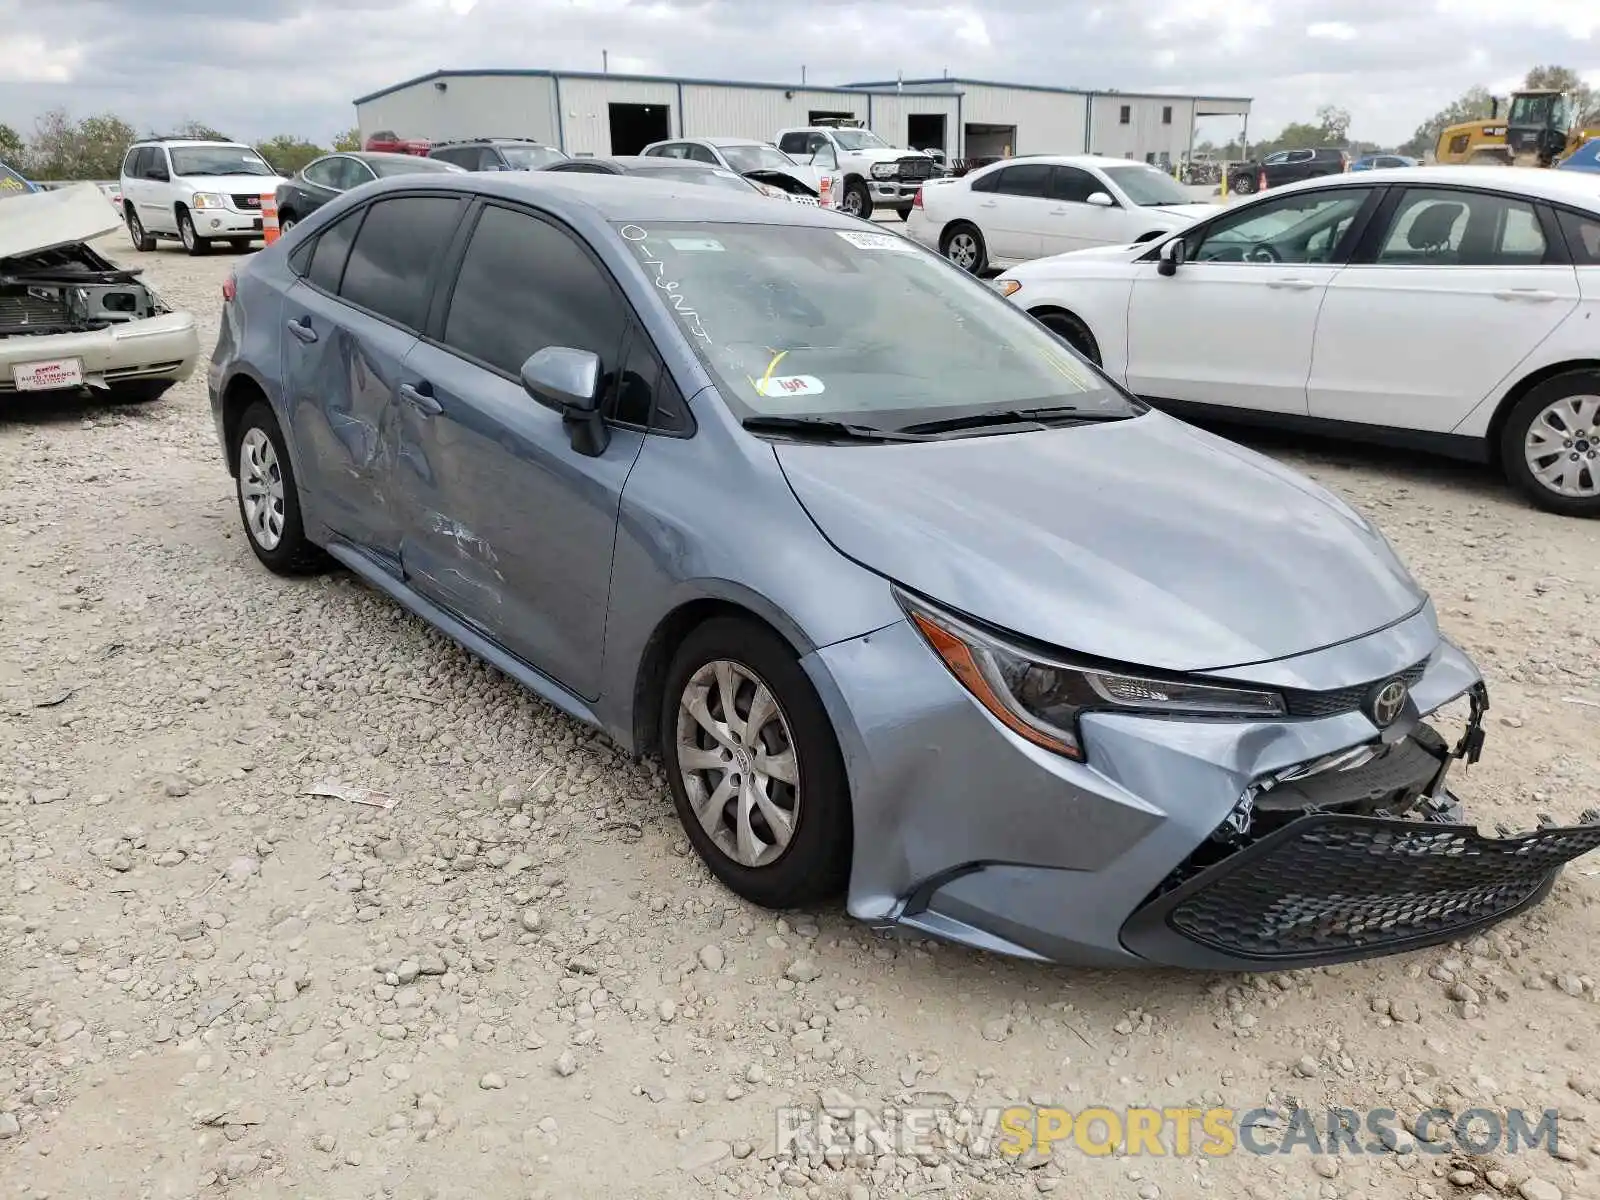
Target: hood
(36,221)
(230,184)
(885,154)
(1143,541)
(1125,253)
(802,180)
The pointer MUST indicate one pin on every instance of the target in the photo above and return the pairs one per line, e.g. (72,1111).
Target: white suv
(195,191)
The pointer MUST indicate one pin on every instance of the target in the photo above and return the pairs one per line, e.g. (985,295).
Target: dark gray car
(911,600)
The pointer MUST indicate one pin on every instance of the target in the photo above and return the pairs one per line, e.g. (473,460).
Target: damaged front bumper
(1259,845)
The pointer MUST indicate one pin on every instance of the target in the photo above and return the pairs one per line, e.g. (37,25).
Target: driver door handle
(1296,285)
(302,330)
(1535,294)
(420,396)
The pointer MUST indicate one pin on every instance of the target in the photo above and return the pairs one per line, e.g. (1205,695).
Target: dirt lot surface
(518,982)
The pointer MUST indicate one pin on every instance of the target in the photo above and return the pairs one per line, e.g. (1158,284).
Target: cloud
(295,65)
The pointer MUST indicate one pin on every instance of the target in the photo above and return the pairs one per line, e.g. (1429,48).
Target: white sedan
(1026,208)
(1446,309)
(763,164)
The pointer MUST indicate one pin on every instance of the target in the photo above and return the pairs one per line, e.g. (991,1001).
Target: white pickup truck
(875,173)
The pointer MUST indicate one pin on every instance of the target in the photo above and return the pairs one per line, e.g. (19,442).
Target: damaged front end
(1351,855)
(781,182)
(70,289)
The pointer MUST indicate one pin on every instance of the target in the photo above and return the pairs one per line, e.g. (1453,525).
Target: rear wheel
(1550,444)
(964,246)
(142,241)
(754,766)
(269,502)
(1073,331)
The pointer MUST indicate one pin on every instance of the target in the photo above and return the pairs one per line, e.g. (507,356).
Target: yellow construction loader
(1540,128)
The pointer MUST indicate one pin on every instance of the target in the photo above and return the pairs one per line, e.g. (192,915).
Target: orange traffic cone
(269,217)
(825,195)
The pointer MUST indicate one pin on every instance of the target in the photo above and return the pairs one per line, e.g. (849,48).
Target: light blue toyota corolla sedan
(910,600)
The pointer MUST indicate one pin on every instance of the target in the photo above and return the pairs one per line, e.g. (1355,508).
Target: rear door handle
(420,396)
(302,330)
(1298,285)
(1525,294)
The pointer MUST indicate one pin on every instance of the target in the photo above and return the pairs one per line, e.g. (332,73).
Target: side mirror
(1101,200)
(1169,257)
(568,381)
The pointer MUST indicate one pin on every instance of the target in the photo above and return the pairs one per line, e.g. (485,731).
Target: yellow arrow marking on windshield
(761,388)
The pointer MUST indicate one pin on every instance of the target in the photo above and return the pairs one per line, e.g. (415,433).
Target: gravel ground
(519,982)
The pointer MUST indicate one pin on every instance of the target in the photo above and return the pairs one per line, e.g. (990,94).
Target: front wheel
(269,502)
(286,223)
(192,241)
(964,246)
(856,201)
(1550,444)
(1070,329)
(754,766)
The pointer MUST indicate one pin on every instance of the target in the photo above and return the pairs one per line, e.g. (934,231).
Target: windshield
(757,158)
(410,165)
(12,184)
(856,326)
(218,160)
(859,139)
(531,158)
(714,176)
(1147,186)
(1530,110)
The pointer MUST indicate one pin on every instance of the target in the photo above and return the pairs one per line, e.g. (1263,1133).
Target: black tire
(1514,434)
(950,246)
(142,241)
(140,391)
(293,554)
(286,222)
(857,191)
(816,864)
(905,213)
(1076,334)
(192,241)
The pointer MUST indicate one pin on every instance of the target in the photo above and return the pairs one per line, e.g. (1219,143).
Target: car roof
(188,142)
(378,156)
(1535,183)
(574,195)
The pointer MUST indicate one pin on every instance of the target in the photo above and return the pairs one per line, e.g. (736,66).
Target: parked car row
(1185,701)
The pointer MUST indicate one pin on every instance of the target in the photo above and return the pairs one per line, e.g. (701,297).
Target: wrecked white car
(73,321)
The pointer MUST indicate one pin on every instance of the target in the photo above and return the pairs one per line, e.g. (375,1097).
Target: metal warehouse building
(603,113)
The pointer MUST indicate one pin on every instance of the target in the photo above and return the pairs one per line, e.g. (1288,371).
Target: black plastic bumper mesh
(1327,887)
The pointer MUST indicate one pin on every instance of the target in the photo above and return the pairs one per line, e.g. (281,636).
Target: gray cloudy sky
(257,67)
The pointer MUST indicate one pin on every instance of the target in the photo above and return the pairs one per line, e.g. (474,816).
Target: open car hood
(789,181)
(34,222)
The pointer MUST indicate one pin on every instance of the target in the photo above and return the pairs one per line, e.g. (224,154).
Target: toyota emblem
(1387,701)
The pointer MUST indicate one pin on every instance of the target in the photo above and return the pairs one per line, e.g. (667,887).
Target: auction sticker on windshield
(875,241)
(48,375)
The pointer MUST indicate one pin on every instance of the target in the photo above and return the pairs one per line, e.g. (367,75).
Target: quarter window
(1302,228)
(1438,227)
(1583,238)
(525,285)
(394,255)
(333,249)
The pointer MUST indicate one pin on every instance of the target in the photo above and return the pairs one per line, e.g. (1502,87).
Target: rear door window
(395,255)
(1456,228)
(1027,179)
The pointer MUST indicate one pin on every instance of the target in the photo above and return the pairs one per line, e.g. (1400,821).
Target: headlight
(208,200)
(885,170)
(1008,287)
(1040,698)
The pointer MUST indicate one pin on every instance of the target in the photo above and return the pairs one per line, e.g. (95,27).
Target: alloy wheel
(736,752)
(136,231)
(186,232)
(963,251)
(261,489)
(852,202)
(1562,448)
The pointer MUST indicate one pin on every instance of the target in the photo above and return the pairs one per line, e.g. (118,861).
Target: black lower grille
(1343,700)
(1327,887)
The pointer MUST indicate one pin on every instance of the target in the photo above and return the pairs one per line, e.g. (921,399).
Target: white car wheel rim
(1562,448)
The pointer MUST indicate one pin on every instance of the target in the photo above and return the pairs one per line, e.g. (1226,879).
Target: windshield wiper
(1011,416)
(826,427)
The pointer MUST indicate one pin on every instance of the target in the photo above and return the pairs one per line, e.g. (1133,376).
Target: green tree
(1564,79)
(288,153)
(201,132)
(350,139)
(1475,104)
(13,150)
